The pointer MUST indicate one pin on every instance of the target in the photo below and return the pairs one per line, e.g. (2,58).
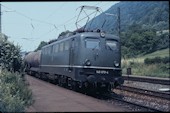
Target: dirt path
(52,98)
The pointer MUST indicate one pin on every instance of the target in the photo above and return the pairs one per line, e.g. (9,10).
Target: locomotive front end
(101,60)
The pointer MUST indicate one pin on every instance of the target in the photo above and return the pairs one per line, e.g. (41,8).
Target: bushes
(149,68)
(139,68)
(10,57)
(155,60)
(14,93)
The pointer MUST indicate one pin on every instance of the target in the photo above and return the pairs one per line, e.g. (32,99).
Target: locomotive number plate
(102,72)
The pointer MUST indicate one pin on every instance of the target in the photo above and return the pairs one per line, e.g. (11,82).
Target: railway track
(165,95)
(112,96)
(154,80)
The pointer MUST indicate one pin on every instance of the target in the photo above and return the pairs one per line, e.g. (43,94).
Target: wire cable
(31,19)
(54,12)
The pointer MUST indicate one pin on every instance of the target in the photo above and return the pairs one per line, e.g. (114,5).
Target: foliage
(155,60)
(42,44)
(10,57)
(163,41)
(153,64)
(51,41)
(64,33)
(142,69)
(14,93)
(150,14)
(137,40)
(158,53)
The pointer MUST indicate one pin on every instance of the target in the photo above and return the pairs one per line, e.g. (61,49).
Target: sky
(28,23)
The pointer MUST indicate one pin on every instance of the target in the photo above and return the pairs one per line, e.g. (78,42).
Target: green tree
(10,57)
(149,41)
(42,44)
(139,40)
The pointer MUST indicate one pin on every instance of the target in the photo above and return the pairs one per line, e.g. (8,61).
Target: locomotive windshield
(111,44)
(92,43)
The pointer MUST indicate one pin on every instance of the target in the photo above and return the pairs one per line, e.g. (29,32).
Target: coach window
(52,47)
(56,48)
(61,47)
(92,43)
(44,51)
(66,45)
(47,50)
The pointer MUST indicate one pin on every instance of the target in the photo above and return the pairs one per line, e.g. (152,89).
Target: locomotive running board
(97,67)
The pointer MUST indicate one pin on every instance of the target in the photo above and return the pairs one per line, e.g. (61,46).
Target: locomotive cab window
(92,43)
(111,44)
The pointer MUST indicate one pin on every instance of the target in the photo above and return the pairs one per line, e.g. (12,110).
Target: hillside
(154,14)
(159,53)
(139,66)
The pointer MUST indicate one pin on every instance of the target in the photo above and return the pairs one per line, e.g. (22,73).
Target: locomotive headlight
(102,34)
(116,63)
(87,62)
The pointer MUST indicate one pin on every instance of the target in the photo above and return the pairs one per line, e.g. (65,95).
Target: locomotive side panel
(61,58)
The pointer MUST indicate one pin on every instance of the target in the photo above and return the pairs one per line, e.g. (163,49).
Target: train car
(32,61)
(83,60)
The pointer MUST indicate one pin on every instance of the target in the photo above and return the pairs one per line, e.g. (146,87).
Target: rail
(112,96)
(146,92)
(155,80)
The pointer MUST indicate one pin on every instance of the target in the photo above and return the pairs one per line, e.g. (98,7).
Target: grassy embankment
(15,95)
(138,67)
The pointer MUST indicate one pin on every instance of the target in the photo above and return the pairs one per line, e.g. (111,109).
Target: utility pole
(0,19)
(118,9)
(119,21)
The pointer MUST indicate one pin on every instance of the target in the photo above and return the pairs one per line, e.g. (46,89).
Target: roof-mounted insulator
(98,30)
